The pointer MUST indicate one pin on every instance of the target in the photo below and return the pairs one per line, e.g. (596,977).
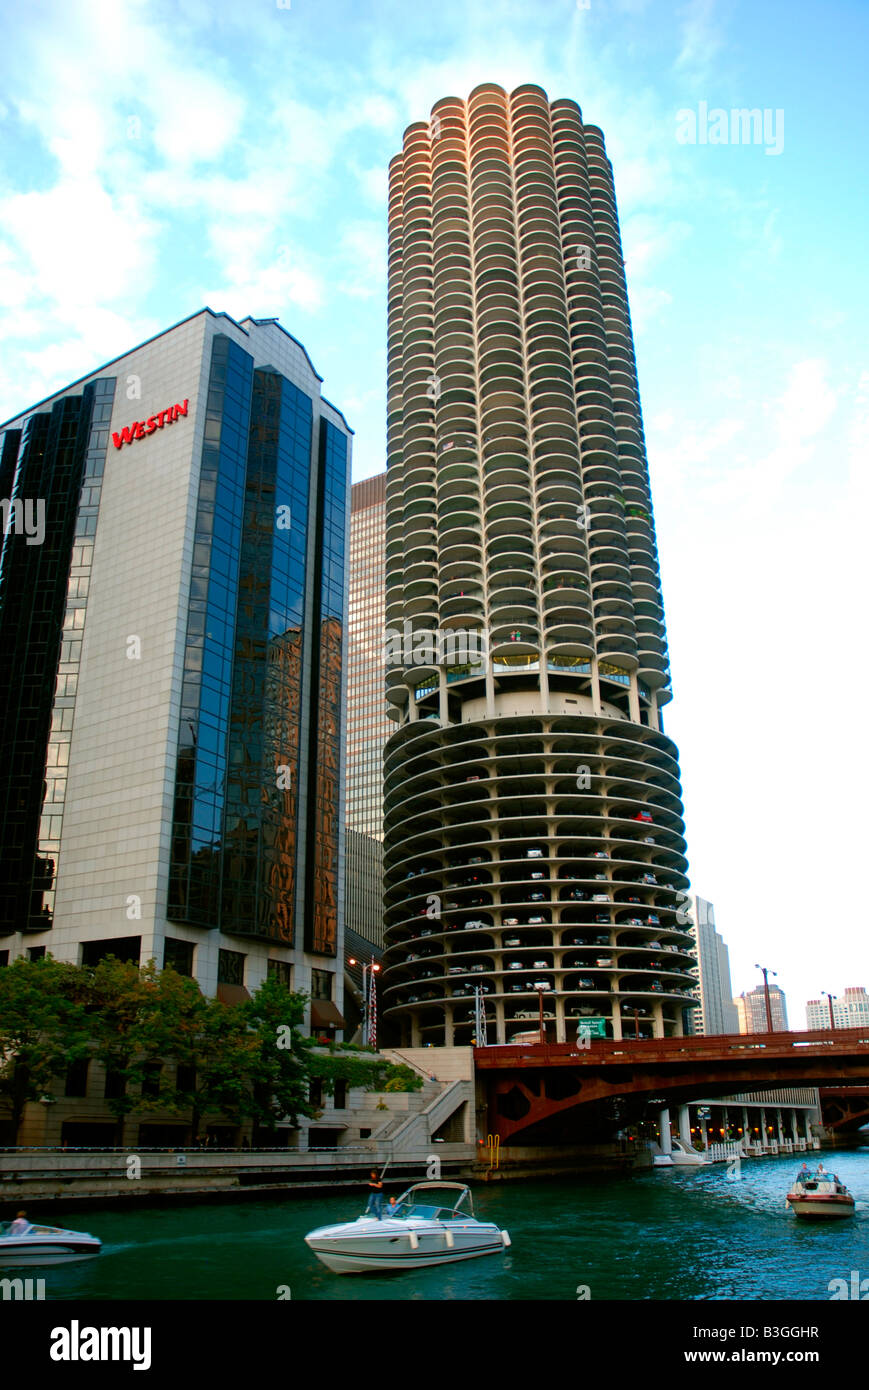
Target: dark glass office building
(172,653)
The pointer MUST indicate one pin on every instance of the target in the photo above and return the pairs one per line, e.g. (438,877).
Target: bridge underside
(558,1100)
(845,1111)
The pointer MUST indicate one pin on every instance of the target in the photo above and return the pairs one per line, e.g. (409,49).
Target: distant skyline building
(751,1010)
(368,725)
(171,668)
(850,1010)
(717,1012)
(533,825)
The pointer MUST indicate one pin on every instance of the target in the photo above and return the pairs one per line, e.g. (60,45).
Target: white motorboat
(45,1245)
(820,1195)
(431,1223)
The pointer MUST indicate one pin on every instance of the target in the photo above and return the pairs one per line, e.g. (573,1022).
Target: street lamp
(370,969)
(765,971)
(830,998)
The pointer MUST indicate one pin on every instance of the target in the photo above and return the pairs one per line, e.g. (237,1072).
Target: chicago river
(665,1234)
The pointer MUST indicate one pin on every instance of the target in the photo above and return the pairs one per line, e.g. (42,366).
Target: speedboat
(432,1223)
(816,1195)
(45,1245)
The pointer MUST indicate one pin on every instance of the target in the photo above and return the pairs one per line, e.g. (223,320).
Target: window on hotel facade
(282,971)
(77,1078)
(230,968)
(321,984)
(116,1085)
(178,954)
(185,1079)
(36,953)
(151,1080)
(121,947)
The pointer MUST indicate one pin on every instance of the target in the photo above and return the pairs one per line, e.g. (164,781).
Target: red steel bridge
(544,1093)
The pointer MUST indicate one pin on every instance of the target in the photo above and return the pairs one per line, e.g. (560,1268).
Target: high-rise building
(368,726)
(849,1011)
(532,807)
(171,664)
(751,1010)
(717,1012)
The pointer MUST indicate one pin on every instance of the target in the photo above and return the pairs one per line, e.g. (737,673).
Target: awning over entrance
(325,1014)
(232,994)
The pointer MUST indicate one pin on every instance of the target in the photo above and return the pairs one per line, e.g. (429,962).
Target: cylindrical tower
(533,821)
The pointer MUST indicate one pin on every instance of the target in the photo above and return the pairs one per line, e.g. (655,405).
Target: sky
(158,157)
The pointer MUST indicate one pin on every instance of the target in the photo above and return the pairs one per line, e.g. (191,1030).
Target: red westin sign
(140,428)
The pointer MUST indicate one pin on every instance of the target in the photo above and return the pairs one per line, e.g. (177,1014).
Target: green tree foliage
(403,1078)
(372,1074)
(168,1048)
(119,994)
(280,1056)
(43,1028)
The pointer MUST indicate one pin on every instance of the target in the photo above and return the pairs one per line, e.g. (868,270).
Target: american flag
(372,1011)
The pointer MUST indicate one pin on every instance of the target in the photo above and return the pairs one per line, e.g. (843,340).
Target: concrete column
(666,1141)
(795,1133)
(500,1027)
(654,721)
(544,679)
(746,1134)
(448,1029)
(617,1022)
(657,1020)
(781,1135)
(763,1134)
(679,1027)
(560,1025)
(634,699)
(595,687)
(442,694)
(490,689)
(685,1125)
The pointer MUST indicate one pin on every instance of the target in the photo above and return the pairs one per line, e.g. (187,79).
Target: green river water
(659,1234)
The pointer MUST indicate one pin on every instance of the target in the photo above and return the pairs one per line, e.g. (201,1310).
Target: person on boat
(394,1208)
(804,1173)
(822,1172)
(20,1226)
(375,1195)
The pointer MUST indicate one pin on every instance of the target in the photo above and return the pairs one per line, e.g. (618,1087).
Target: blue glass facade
(57,460)
(245,779)
(321,924)
(200,788)
(264,755)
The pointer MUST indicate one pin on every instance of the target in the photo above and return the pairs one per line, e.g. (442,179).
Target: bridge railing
(827,1042)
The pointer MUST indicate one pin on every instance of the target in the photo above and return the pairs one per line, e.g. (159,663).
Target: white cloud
(700,38)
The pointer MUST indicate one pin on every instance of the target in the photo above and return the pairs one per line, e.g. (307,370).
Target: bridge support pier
(685,1125)
(666,1141)
(746,1132)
